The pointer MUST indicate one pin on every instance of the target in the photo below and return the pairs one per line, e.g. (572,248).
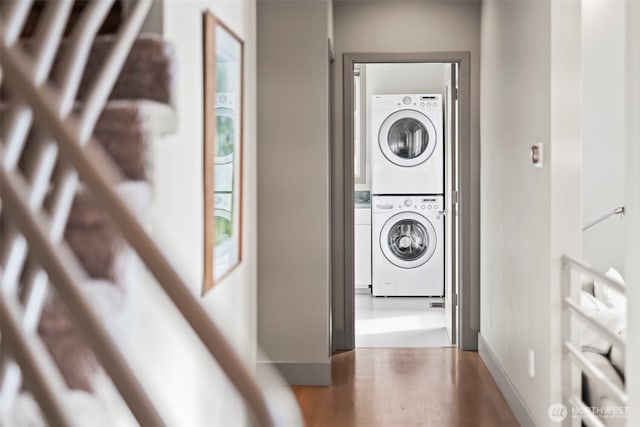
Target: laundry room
(404,137)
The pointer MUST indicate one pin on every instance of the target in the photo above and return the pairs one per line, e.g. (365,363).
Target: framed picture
(223,87)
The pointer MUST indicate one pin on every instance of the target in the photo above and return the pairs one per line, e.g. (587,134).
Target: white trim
(508,390)
(296,373)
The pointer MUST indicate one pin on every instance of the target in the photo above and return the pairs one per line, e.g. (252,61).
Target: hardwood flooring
(397,387)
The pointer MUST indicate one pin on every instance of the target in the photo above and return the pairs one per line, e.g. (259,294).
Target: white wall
(530,216)
(293,185)
(603,56)
(190,389)
(388,79)
(632,156)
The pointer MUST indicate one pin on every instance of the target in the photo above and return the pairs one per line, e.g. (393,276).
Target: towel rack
(617,211)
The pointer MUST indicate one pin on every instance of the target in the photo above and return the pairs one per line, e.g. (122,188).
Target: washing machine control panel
(424,205)
(418,203)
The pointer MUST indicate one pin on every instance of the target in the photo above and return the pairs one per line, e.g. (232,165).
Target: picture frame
(223,60)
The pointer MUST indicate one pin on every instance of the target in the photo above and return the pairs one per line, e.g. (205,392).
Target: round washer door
(407,138)
(408,240)
(225,135)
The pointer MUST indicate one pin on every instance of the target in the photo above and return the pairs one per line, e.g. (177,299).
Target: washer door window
(408,240)
(407,138)
(225,137)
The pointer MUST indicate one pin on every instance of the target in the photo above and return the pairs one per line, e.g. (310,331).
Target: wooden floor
(396,387)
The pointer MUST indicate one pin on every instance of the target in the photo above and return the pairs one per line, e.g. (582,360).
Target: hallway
(406,387)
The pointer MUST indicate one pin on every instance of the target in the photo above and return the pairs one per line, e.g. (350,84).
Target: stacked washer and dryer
(407,184)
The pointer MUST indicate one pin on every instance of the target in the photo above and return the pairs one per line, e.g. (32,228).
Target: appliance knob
(423,206)
(429,207)
(408,202)
(422,104)
(428,104)
(406,100)
(435,104)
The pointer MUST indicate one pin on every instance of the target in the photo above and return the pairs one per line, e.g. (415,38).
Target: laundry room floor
(399,322)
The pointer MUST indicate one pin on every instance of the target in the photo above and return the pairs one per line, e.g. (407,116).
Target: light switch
(537,154)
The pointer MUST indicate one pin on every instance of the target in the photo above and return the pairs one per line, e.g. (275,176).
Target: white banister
(46,381)
(585,412)
(65,272)
(36,233)
(574,363)
(583,268)
(46,150)
(99,176)
(596,374)
(602,329)
(48,35)
(78,51)
(17,13)
(103,84)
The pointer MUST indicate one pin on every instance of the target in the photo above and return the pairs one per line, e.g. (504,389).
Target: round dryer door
(407,138)
(408,240)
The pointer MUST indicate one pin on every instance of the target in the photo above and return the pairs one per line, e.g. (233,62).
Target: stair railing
(617,211)
(37,235)
(574,364)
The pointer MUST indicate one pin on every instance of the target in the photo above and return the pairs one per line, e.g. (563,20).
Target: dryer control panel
(419,204)
(413,101)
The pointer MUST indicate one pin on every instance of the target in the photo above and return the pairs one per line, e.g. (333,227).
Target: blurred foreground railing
(37,235)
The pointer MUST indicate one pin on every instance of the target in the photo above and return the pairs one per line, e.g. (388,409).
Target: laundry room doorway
(405,226)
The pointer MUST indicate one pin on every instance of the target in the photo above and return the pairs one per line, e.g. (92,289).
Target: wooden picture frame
(223,59)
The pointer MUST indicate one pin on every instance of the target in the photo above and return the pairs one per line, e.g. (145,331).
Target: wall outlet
(532,363)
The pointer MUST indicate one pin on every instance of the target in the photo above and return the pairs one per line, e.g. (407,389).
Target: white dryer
(407,246)
(407,147)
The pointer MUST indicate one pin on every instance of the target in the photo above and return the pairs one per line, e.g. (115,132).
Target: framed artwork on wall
(223,88)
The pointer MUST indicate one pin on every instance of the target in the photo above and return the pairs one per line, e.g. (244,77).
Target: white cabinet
(362,247)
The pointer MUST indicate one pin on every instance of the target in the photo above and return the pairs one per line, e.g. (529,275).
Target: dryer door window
(407,138)
(408,240)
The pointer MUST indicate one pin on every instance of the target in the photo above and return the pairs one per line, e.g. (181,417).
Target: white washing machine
(226,127)
(407,246)
(407,144)
(226,253)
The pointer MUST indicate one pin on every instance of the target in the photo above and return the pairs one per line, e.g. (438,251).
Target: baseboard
(511,395)
(312,374)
